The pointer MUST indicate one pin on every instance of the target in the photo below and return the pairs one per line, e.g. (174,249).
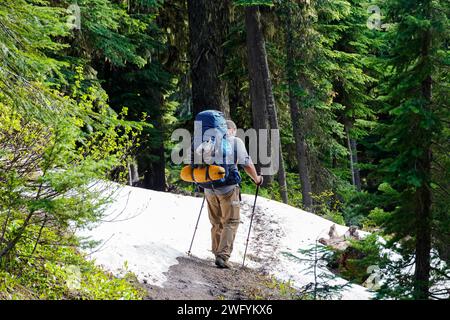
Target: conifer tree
(415,59)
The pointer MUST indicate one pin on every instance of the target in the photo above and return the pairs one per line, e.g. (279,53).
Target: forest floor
(197,279)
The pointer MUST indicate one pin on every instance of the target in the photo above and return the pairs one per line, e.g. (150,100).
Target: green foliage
(332,71)
(109,32)
(294,190)
(412,101)
(66,159)
(60,272)
(328,206)
(58,138)
(285,288)
(364,209)
(27,32)
(248,3)
(320,288)
(354,262)
(378,216)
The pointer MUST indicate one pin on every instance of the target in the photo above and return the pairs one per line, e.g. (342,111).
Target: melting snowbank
(150,229)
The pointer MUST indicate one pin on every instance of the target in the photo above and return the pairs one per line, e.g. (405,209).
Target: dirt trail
(197,279)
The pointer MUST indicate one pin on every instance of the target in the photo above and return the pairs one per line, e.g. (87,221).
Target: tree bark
(299,137)
(11,244)
(154,177)
(153,162)
(133,173)
(354,148)
(424,201)
(208,28)
(353,156)
(423,243)
(257,87)
(262,100)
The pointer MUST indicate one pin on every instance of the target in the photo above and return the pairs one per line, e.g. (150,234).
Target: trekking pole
(196,226)
(250,228)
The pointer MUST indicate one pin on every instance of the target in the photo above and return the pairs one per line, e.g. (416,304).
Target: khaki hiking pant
(224,216)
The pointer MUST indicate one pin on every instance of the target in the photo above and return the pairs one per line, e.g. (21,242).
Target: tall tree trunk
(299,137)
(133,173)
(262,99)
(238,100)
(423,241)
(353,156)
(151,158)
(154,175)
(152,170)
(258,99)
(208,28)
(354,148)
(424,200)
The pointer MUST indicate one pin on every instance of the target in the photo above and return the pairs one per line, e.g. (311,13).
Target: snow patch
(145,231)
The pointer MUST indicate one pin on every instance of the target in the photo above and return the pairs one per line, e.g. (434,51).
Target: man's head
(232,129)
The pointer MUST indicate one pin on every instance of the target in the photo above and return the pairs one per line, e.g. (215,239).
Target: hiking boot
(222,263)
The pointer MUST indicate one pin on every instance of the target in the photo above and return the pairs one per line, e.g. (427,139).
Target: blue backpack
(212,147)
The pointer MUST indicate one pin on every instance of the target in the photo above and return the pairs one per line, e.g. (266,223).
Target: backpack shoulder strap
(235,151)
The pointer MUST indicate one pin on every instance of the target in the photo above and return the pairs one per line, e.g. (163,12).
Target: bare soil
(196,279)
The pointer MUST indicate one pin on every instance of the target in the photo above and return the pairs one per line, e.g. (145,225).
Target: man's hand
(259,180)
(251,171)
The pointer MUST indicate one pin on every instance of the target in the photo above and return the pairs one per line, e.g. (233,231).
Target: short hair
(231,125)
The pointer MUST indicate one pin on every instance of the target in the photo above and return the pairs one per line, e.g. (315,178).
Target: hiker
(224,201)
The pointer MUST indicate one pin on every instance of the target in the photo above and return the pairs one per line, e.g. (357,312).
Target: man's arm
(251,171)
(244,160)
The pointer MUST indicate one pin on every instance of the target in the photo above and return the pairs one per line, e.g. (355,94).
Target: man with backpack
(223,197)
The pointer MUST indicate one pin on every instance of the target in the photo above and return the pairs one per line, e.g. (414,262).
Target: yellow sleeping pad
(199,174)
